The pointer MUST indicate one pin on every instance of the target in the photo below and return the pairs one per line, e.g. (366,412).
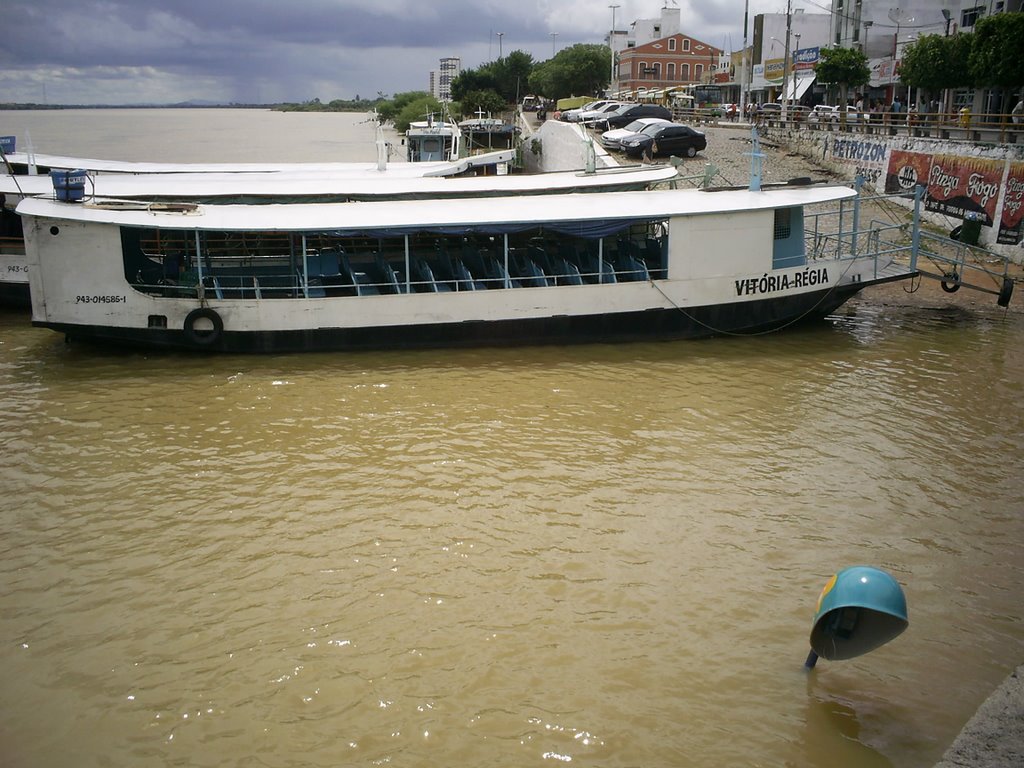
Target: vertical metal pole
(858,183)
(744,80)
(915,237)
(508,281)
(600,260)
(839,234)
(305,269)
(199,259)
(408,276)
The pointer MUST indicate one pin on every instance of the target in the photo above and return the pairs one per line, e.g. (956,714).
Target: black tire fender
(1005,292)
(951,283)
(203,337)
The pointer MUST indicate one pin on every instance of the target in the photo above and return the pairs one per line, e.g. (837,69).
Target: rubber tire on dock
(1005,292)
(954,286)
(203,338)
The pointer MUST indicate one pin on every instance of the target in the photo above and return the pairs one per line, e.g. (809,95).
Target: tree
(487,101)
(506,77)
(997,55)
(577,70)
(844,67)
(935,63)
(406,107)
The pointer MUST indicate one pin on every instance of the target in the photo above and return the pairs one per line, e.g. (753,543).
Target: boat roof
(298,184)
(401,168)
(433,213)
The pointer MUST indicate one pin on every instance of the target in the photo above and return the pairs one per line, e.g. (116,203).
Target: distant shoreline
(284,107)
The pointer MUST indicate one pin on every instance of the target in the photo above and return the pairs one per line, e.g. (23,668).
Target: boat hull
(729,319)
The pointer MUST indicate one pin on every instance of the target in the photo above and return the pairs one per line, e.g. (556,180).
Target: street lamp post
(500,35)
(744,82)
(785,58)
(796,49)
(553,36)
(612,86)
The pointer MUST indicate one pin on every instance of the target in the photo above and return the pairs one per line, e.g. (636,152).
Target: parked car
(852,115)
(821,113)
(660,139)
(613,139)
(728,111)
(573,115)
(598,115)
(770,109)
(623,117)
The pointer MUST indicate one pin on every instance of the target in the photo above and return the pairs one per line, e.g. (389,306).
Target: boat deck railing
(888,243)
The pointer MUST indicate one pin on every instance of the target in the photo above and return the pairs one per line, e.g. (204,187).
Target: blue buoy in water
(860,609)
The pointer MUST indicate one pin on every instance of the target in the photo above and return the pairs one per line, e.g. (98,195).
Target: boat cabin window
(275,265)
(788,245)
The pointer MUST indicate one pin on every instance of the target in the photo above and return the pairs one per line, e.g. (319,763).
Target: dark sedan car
(662,139)
(626,115)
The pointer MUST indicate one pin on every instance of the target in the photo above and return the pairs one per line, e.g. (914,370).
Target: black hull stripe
(742,318)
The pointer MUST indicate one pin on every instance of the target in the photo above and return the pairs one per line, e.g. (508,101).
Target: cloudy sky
(167,51)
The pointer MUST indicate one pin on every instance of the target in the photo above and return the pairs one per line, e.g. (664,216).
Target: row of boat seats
(479,268)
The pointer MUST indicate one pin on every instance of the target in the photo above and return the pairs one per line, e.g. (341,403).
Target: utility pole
(744,84)
(612,86)
(785,59)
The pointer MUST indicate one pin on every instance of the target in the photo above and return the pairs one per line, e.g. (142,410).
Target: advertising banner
(867,157)
(806,58)
(906,170)
(959,185)
(1013,206)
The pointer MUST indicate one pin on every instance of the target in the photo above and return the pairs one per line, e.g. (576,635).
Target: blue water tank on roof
(69,186)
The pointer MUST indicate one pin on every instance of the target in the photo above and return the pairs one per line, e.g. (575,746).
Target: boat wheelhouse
(432,141)
(413,273)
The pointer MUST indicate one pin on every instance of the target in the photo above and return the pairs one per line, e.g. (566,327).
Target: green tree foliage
(507,77)
(579,70)
(487,101)
(997,55)
(389,110)
(843,67)
(934,62)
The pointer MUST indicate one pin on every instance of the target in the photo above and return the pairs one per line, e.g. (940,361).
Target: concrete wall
(558,146)
(963,178)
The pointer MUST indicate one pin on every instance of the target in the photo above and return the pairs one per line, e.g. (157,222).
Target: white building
(880,27)
(441,80)
(643,31)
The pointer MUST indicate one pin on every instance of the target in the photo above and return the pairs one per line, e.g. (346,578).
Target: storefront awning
(802,84)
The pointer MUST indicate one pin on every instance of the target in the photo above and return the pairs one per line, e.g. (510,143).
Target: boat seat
(424,278)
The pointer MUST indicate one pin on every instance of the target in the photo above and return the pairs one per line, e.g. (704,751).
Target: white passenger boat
(290,186)
(410,273)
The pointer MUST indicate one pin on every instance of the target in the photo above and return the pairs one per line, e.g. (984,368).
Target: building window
(698,70)
(672,44)
(657,29)
(686,44)
(969,16)
(671,70)
(684,72)
(631,44)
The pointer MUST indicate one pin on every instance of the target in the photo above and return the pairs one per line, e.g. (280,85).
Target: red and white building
(668,62)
